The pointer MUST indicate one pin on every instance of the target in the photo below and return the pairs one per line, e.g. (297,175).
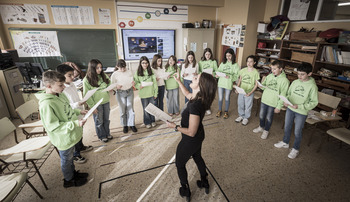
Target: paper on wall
(104,16)
(209,71)
(285,100)
(110,87)
(92,109)
(24,14)
(89,94)
(158,113)
(220,74)
(146,83)
(240,90)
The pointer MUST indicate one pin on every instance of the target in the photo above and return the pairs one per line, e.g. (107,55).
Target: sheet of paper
(158,113)
(164,75)
(110,87)
(285,100)
(92,109)
(109,70)
(240,90)
(78,83)
(125,82)
(261,84)
(146,83)
(209,71)
(89,94)
(221,74)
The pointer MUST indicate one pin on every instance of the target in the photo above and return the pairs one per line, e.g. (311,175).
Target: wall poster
(24,14)
(231,35)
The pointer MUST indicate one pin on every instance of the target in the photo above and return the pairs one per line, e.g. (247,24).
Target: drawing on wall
(24,14)
(72,15)
(231,35)
(36,43)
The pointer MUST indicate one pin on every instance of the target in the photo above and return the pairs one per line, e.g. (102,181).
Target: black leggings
(184,151)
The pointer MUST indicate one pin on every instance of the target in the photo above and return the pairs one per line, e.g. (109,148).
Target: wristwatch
(177,127)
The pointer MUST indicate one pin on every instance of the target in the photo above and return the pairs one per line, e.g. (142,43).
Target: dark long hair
(120,63)
(154,63)
(140,69)
(207,90)
(230,50)
(92,75)
(194,59)
(167,64)
(254,59)
(211,54)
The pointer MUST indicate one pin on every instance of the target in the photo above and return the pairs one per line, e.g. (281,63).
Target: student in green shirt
(276,84)
(96,78)
(148,93)
(208,62)
(230,68)
(303,94)
(248,82)
(172,87)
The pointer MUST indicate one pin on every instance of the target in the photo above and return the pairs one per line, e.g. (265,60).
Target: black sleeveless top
(196,108)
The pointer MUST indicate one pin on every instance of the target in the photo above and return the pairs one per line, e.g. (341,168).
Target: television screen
(148,42)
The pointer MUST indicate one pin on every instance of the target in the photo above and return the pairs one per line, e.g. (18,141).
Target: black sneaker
(125,129)
(78,174)
(75,182)
(109,137)
(133,128)
(104,140)
(86,149)
(79,159)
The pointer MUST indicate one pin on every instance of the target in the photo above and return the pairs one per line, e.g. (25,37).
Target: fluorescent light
(344,4)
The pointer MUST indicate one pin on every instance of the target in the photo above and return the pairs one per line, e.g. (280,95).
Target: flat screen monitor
(148,42)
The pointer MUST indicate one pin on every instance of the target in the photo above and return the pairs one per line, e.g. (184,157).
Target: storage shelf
(332,63)
(264,56)
(292,61)
(300,42)
(332,87)
(333,78)
(298,49)
(269,49)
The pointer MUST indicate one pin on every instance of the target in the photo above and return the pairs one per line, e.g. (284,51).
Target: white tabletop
(6,187)
(28,145)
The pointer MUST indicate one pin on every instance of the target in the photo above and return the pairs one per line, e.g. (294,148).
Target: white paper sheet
(104,15)
(158,113)
(240,90)
(78,83)
(285,100)
(125,82)
(209,71)
(164,75)
(12,13)
(109,70)
(146,83)
(259,84)
(221,74)
(89,94)
(92,109)
(110,87)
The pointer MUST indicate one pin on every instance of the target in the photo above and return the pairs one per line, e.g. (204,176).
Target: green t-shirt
(98,94)
(276,85)
(230,70)
(207,64)
(248,79)
(146,91)
(171,83)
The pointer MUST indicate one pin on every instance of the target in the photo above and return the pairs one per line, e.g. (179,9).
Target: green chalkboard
(80,46)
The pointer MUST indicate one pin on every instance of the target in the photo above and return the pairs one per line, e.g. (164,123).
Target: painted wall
(211,3)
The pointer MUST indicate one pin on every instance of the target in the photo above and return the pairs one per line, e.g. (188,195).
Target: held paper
(89,94)
(209,71)
(221,74)
(111,87)
(92,109)
(285,100)
(158,113)
(146,83)
(240,90)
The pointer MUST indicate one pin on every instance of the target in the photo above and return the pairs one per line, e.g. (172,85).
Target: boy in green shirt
(276,84)
(62,125)
(303,94)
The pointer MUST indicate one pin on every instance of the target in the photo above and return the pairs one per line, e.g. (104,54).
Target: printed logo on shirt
(226,68)
(205,66)
(299,90)
(272,85)
(246,79)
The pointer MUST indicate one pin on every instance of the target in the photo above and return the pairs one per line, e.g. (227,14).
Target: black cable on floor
(222,191)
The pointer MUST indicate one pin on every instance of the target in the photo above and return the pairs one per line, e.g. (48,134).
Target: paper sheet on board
(240,90)
(221,74)
(110,87)
(285,100)
(158,113)
(146,83)
(92,109)
(125,82)
(209,71)
(89,94)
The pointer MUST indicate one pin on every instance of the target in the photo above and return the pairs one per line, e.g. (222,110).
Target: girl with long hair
(189,70)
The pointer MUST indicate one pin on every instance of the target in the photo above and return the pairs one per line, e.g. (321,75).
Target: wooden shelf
(332,87)
(264,56)
(332,63)
(292,61)
(269,49)
(333,78)
(300,42)
(298,49)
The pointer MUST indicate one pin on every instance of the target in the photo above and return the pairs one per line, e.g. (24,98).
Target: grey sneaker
(264,134)
(258,130)
(109,137)
(79,159)
(86,149)
(148,126)
(245,122)
(104,140)
(239,119)
(281,144)
(293,154)
(154,124)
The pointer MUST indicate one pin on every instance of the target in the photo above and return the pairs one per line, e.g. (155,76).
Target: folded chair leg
(41,178)
(30,184)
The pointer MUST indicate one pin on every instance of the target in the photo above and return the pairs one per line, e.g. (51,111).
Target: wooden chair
(30,129)
(342,134)
(12,184)
(27,156)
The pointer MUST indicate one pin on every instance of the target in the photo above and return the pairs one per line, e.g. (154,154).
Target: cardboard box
(303,36)
(262,27)
(303,57)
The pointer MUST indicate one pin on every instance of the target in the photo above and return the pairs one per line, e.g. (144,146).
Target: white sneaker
(281,144)
(264,134)
(258,130)
(154,124)
(245,122)
(142,125)
(239,119)
(148,126)
(293,154)
(208,112)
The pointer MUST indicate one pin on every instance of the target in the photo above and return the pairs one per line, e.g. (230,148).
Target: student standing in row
(188,70)
(146,82)
(172,87)
(230,68)
(276,84)
(208,62)
(96,78)
(248,82)
(303,94)
(71,93)
(125,96)
(157,67)
(62,125)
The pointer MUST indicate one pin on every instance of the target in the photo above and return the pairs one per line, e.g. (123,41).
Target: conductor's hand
(83,112)
(82,122)
(170,124)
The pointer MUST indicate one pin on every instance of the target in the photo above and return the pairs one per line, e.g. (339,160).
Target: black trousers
(184,151)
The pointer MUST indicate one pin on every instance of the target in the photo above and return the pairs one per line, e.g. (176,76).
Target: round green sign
(148,15)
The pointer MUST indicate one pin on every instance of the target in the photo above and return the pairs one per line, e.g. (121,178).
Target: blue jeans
(227,98)
(125,100)
(187,85)
(147,118)
(173,101)
(266,116)
(67,164)
(78,147)
(159,102)
(299,121)
(102,121)
(245,105)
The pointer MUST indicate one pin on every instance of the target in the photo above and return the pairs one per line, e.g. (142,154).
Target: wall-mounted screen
(148,42)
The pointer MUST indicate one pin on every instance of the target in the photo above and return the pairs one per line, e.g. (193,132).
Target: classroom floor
(243,167)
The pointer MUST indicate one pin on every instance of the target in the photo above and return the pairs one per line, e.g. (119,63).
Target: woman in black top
(203,93)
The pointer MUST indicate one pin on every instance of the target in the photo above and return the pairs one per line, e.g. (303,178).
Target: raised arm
(184,90)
